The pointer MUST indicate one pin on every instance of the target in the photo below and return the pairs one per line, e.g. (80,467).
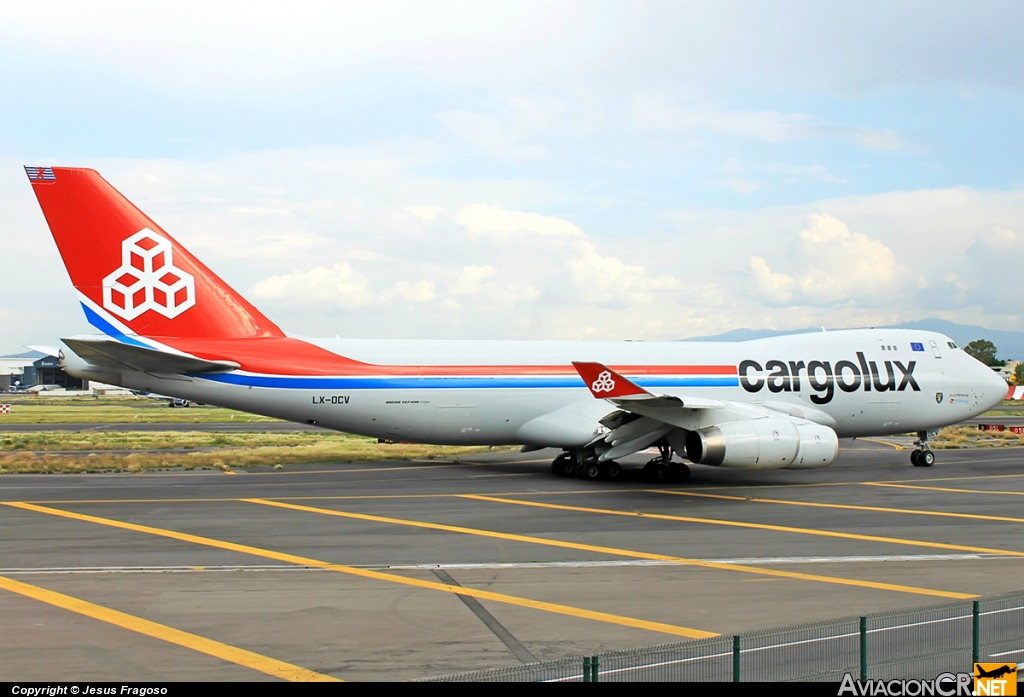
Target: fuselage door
(935,349)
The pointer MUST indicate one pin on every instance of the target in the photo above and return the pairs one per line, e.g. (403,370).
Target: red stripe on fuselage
(288,356)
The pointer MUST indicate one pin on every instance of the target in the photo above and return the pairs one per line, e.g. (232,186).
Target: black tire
(563,466)
(613,470)
(655,472)
(926,458)
(914,458)
(591,470)
(680,473)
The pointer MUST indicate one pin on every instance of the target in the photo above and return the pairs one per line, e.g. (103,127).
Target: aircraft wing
(642,418)
(108,354)
(605,383)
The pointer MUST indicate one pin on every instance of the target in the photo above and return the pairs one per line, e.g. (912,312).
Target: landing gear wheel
(655,472)
(679,473)
(590,470)
(612,471)
(563,465)
(923,456)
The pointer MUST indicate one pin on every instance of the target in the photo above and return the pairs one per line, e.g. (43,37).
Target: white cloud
(776,287)
(834,265)
(338,286)
(847,48)
(470,281)
(481,219)
(741,186)
(597,277)
(773,126)
(665,113)
(424,212)
(998,240)
(605,279)
(406,291)
(985,277)
(489,134)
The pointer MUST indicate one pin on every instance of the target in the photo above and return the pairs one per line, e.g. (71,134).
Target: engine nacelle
(819,446)
(763,444)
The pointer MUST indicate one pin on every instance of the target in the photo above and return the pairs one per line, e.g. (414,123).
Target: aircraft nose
(991,387)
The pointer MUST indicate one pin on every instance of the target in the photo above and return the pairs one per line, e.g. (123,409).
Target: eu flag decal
(916,347)
(40,174)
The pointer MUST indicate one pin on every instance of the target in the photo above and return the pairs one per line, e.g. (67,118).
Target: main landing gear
(923,456)
(661,469)
(584,464)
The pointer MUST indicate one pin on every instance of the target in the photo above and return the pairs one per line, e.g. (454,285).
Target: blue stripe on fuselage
(443,383)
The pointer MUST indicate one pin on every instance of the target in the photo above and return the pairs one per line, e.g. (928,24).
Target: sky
(534,170)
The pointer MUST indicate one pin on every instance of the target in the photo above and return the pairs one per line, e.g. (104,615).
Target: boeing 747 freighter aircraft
(170,325)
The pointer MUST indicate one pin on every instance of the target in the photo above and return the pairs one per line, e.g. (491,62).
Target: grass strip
(30,453)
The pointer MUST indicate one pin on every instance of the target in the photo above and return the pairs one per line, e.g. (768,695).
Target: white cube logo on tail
(604,382)
(148,280)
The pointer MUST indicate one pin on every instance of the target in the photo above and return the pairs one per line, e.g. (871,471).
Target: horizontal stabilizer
(47,350)
(114,355)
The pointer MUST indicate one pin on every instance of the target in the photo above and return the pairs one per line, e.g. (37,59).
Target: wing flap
(113,355)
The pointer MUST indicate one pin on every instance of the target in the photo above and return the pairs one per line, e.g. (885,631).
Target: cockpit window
(951,344)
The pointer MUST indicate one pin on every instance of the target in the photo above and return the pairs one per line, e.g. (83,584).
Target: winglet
(605,383)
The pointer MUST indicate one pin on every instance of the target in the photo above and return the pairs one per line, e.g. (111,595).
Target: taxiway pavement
(399,570)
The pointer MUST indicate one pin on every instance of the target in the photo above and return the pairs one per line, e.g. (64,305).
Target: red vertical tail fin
(133,277)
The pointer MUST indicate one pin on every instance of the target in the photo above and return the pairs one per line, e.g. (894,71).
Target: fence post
(736,658)
(975,632)
(586,669)
(595,662)
(863,649)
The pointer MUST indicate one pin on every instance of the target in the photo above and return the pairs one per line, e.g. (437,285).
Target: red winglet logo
(605,383)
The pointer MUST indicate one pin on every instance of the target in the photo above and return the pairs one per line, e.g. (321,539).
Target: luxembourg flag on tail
(40,174)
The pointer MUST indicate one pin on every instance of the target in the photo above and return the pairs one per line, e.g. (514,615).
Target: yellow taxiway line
(884,442)
(756,526)
(377,575)
(232,654)
(614,551)
(940,488)
(949,479)
(843,506)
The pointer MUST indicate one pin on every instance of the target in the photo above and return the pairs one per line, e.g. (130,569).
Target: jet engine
(763,444)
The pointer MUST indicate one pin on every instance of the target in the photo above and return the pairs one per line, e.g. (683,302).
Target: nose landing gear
(923,456)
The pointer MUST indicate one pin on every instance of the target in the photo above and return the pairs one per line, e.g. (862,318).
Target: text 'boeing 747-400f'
(171,326)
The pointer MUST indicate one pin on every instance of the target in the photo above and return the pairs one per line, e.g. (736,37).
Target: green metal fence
(914,643)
